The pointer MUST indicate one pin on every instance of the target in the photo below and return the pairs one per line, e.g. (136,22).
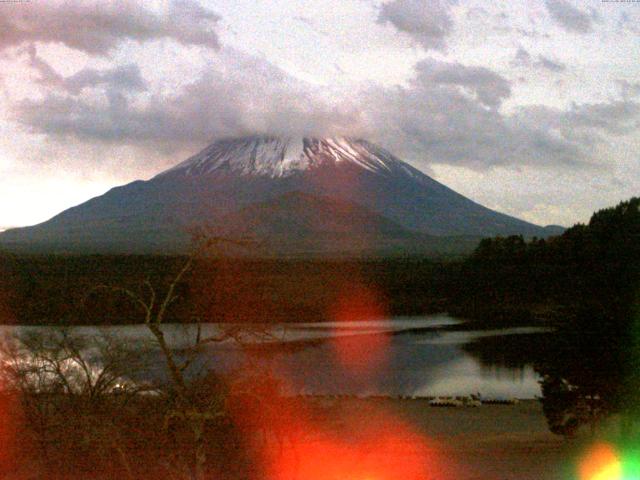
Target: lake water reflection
(422,356)
(421,359)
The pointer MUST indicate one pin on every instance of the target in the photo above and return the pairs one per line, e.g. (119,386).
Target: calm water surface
(420,356)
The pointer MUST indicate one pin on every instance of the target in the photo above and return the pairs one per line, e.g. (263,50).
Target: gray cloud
(120,77)
(626,23)
(586,125)
(489,88)
(310,23)
(628,89)
(477,13)
(428,22)
(83,26)
(438,124)
(238,95)
(448,113)
(532,33)
(523,58)
(551,65)
(569,17)
(615,118)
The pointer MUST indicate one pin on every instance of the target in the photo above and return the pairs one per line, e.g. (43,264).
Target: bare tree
(188,406)
(66,382)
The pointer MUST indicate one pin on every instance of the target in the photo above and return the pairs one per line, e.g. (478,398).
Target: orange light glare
(601,463)
(390,455)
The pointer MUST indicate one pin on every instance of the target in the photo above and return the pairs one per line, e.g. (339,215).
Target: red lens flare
(314,439)
(9,425)
(359,352)
(389,450)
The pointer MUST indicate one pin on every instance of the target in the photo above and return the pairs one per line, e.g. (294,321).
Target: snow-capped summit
(284,156)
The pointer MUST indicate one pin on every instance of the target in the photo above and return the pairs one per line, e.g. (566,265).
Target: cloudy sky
(529,107)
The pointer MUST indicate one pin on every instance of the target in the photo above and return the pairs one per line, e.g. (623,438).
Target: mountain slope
(301,224)
(302,214)
(233,181)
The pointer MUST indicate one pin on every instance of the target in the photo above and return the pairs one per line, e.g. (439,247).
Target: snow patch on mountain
(282,156)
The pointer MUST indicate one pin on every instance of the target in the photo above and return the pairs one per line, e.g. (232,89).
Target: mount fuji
(293,195)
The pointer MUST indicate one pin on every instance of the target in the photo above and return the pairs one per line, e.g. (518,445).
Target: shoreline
(506,442)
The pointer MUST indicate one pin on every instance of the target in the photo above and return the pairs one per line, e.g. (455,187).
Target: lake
(411,356)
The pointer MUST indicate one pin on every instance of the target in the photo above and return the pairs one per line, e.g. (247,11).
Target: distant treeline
(66,289)
(596,265)
(505,281)
(587,281)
